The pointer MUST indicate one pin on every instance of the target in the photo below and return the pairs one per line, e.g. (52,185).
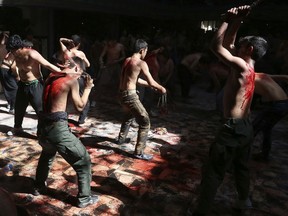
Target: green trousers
(56,137)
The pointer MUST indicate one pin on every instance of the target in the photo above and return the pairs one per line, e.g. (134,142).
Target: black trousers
(28,92)
(9,85)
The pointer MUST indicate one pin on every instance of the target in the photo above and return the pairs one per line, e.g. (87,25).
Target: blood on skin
(249,85)
(51,91)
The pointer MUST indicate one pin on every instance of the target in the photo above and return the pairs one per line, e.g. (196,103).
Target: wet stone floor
(165,186)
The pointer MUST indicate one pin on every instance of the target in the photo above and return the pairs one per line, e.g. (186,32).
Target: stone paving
(164,186)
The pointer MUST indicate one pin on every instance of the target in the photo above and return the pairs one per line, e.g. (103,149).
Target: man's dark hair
(14,42)
(259,44)
(140,44)
(76,39)
(27,43)
(78,61)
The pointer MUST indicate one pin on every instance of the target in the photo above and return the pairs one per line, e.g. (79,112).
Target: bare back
(56,91)
(268,88)
(130,72)
(238,93)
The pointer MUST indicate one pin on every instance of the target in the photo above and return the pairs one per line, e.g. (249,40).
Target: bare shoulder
(32,52)
(78,52)
(142,62)
(238,64)
(69,81)
(127,60)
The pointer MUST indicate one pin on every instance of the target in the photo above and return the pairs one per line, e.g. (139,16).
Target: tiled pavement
(162,187)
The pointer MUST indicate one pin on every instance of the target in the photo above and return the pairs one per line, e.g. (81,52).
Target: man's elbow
(80,107)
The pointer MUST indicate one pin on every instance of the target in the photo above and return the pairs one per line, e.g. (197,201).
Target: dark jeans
(9,85)
(266,119)
(231,148)
(30,92)
(56,137)
(133,108)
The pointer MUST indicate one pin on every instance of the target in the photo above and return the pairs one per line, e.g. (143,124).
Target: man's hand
(237,13)
(88,81)
(163,90)
(6,34)
(243,11)
(67,42)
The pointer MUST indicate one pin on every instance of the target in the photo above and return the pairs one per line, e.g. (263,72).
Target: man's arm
(230,36)
(35,55)
(233,27)
(65,51)
(103,53)
(151,82)
(80,102)
(142,82)
(63,46)
(217,44)
(4,36)
(279,77)
(84,58)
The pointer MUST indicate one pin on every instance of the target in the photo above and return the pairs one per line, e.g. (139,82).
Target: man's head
(27,43)
(14,42)
(253,45)
(141,46)
(76,39)
(78,63)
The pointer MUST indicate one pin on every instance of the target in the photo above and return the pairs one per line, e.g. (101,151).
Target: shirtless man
(30,87)
(3,51)
(186,72)
(8,73)
(274,107)
(114,53)
(9,78)
(133,108)
(233,140)
(166,71)
(70,49)
(3,38)
(54,134)
(110,69)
